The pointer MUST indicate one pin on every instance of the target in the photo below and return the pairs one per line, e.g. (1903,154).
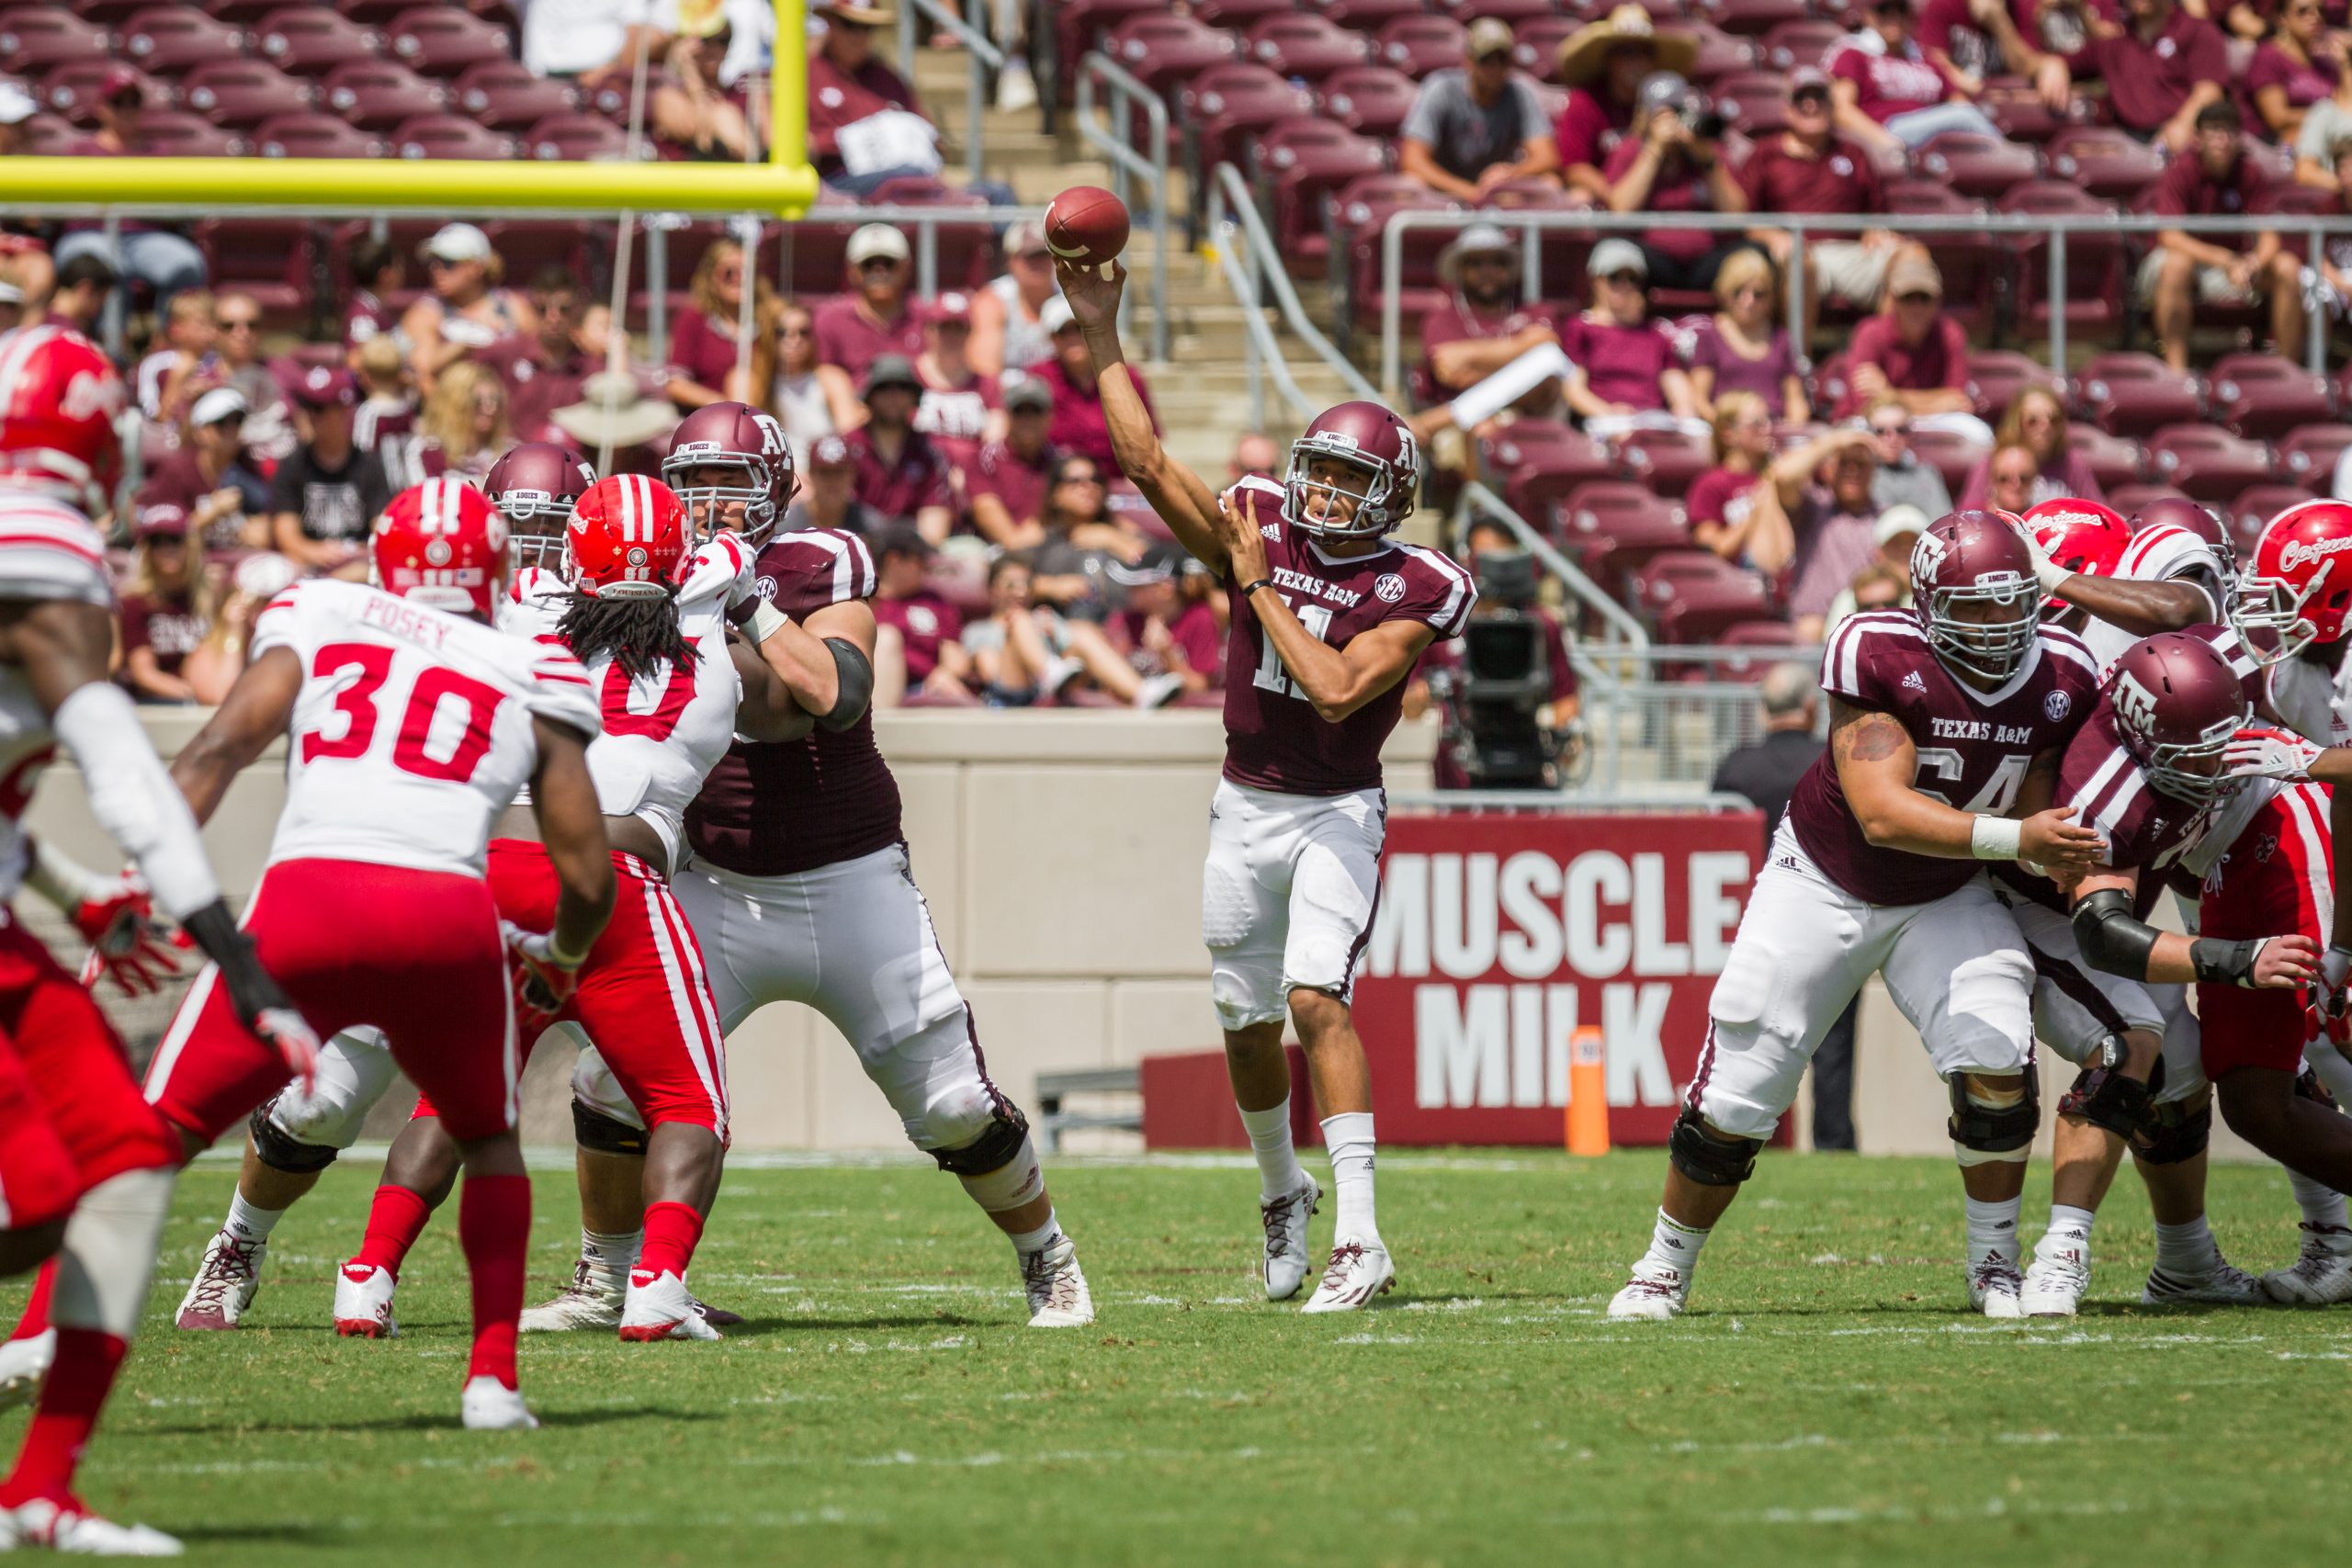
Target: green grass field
(1826,1401)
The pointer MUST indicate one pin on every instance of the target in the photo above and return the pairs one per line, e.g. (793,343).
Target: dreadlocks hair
(640,634)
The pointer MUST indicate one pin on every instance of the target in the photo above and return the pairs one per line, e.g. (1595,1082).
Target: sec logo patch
(2057,705)
(764,587)
(1389,589)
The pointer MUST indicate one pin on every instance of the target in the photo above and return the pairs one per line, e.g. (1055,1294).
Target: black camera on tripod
(1493,702)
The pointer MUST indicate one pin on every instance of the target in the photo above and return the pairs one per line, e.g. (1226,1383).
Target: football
(1087,225)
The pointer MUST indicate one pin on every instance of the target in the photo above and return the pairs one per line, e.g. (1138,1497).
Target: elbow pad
(134,799)
(857,674)
(2111,937)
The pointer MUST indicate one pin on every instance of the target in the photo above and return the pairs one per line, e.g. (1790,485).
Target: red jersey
(775,809)
(1975,746)
(1272,739)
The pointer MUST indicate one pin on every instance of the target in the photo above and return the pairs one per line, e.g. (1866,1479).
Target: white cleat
(1358,1271)
(1655,1293)
(490,1406)
(1057,1287)
(363,1303)
(1994,1288)
(659,1308)
(1284,1268)
(586,1302)
(2055,1280)
(2321,1277)
(2222,1284)
(224,1285)
(23,1364)
(68,1528)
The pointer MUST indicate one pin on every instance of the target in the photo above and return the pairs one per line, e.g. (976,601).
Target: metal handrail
(978,49)
(1232,201)
(1561,801)
(1126,163)
(1261,353)
(1628,631)
(2054,228)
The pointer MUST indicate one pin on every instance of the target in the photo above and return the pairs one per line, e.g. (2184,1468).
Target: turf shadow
(756,1328)
(426,1421)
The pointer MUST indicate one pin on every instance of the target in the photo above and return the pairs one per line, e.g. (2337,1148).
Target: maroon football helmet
(1977,558)
(2182,512)
(2177,702)
(1372,440)
(736,436)
(534,486)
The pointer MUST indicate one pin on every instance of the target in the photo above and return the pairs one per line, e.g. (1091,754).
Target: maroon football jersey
(1975,746)
(1272,739)
(773,811)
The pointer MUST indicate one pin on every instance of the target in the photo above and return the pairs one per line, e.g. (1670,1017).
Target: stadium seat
(2134,394)
(1997,376)
(308,42)
(1419,45)
(1753,18)
(377,95)
(2132,499)
(2262,395)
(1950,454)
(2208,464)
(314,136)
(1368,15)
(2115,460)
(450,136)
(34,38)
(1371,101)
(1700,609)
(2015,104)
(2098,279)
(504,95)
(1720,53)
(237,13)
(1162,49)
(1301,164)
(104,12)
(1665,460)
(1511,11)
(172,133)
(2255,506)
(240,94)
(532,245)
(2309,455)
(1535,47)
(1773,633)
(441,40)
(1614,527)
(1307,46)
(1535,463)
(1242,15)
(1225,108)
(269,258)
(579,138)
(1803,42)
(611,97)
(2105,161)
(170,41)
(1360,218)
(1976,165)
(377,14)
(51,136)
(70,89)
(1755,101)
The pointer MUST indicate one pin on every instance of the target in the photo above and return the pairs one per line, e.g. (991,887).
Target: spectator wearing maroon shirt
(2161,69)
(1162,634)
(1624,374)
(1479,126)
(1080,424)
(1969,40)
(1603,65)
(850,90)
(1916,352)
(915,645)
(2217,178)
(166,261)
(227,503)
(1889,96)
(1005,486)
(377,272)
(899,473)
(1807,168)
(544,371)
(962,409)
(702,342)
(2298,65)
(828,497)
(1743,348)
(385,422)
(877,318)
(1664,165)
(166,606)
(1483,326)
(1730,507)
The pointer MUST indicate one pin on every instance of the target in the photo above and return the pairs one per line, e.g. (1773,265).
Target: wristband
(1252,587)
(2226,963)
(765,621)
(1996,838)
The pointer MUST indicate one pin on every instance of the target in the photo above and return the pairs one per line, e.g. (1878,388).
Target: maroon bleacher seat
(240,94)
(1974,165)
(70,89)
(1753,18)
(1535,463)
(441,40)
(269,258)
(1164,48)
(1240,14)
(1613,527)
(2309,455)
(308,41)
(2262,395)
(2255,506)
(2115,460)
(1419,45)
(51,136)
(34,37)
(1754,101)
(610,97)
(1303,162)
(450,136)
(2104,161)
(377,95)
(1950,454)
(1080,25)
(2209,464)
(1368,15)
(2134,394)
(504,95)
(104,13)
(579,138)
(377,14)
(1720,53)
(531,245)
(1665,460)
(1700,609)
(1226,107)
(1995,376)
(1757,634)
(237,13)
(174,133)
(1536,46)
(1372,101)
(314,136)
(2098,278)
(2132,499)
(1307,46)
(1803,43)
(171,40)
(2276,161)
(1362,219)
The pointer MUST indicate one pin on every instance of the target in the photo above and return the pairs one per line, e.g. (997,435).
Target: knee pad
(600,1134)
(2173,1133)
(280,1150)
(996,1147)
(2308,1087)
(1707,1159)
(2105,1097)
(1994,1132)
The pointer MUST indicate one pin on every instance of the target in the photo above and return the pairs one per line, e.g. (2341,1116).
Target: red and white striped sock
(394,1222)
(672,1233)
(79,1381)
(494,1227)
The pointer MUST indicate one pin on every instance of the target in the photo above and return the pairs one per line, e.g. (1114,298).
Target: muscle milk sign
(1498,935)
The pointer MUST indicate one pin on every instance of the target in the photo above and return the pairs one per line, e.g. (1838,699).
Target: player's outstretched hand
(127,942)
(1093,297)
(2284,963)
(543,982)
(2270,754)
(2063,848)
(1243,541)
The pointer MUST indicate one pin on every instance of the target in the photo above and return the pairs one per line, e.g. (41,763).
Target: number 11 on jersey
(1271,675)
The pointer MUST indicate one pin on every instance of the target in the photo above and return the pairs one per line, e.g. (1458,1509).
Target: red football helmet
(2177,702)
(2079,536)
(534,487)
(442,543)
(2182,512)
(59,398)
(627,539)
(1365,436)
(1977,558)
(2298,588)
(737,436)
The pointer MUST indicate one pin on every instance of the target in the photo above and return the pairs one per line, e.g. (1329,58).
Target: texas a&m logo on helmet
(2177,702)
(747,447)
(1373,441)
(1972,591)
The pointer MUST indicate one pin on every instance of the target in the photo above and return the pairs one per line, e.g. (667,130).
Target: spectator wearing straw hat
(614,414)
(1603,65)
(1483,324)
(1080,424)
(1673,161)
(1479,125)
(899,473)
(693,111)
(875,318)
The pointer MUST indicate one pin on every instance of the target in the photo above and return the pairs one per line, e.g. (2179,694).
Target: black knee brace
(1707,1159)
(2173,1133)
(600,1134)
(2308,1087)
(1994,1130)
(2105,1097)
(275,1150)
(992,1150)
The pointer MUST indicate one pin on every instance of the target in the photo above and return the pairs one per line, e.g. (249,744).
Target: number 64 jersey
(1975,746)
(413,728)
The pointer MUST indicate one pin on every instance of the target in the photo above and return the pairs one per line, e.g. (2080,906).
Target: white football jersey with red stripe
(2161,554)
(413,728)
(48,550)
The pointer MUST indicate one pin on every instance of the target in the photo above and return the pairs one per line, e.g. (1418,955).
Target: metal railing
(1620,628)
(1098,74)
(1660,719)
(1925,226)
(1253,264)
(980,54)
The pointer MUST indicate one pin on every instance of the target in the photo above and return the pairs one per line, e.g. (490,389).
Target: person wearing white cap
(873,318)
(1628,375)
(1081,428)
(1006,333)
(1478,125)
(24,260)
(466,307)
(225,502)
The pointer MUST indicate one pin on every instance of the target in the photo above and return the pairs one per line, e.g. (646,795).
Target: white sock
(1349,1137)
(1026,1242)
(1991,1227)
(1279,1173)
(248,1223)
(2187,1248)
(2323,1206)
(610,1258)
(1674,1244)
(2069,1225)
